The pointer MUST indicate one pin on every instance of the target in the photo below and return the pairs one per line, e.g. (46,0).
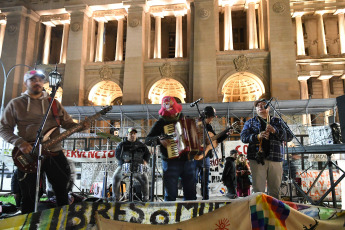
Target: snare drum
(126,168)
(142,169)
(137,168)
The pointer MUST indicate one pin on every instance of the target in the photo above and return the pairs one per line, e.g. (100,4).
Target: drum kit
(128,169)
(134,192)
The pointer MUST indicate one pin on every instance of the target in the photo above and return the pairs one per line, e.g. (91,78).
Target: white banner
(90,156)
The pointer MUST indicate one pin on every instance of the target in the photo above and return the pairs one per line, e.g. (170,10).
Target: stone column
(204,56)
(77,56)
(178,40)
(2,35)
(64,43)
(133,82)
(283,73)
(19,46)
(262,17)
(228,39)
(100,41)
(46,46)
(322,47)
(119,40)
(325,94)
(251,25)
(299,35)
(157,52)
(341,32)
(304,96)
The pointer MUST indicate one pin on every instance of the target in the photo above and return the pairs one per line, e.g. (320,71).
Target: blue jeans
(199,175)
(172,171)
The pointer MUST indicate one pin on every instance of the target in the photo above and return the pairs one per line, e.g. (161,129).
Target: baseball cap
(32,73)
(132,129)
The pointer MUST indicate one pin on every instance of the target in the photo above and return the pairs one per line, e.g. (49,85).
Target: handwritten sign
(90,156)
(321,186)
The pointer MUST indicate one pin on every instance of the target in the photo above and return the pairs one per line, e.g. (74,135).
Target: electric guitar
(28,162)
(214,138)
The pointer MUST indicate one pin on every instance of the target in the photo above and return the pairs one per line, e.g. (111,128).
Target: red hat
(169,107)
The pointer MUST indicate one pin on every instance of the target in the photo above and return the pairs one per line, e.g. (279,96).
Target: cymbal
(110,136)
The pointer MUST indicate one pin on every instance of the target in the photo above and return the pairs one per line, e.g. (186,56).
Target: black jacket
(158,130)
(229,173)
(125,150)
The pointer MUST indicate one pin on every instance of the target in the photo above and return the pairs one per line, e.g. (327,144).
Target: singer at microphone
(195,102)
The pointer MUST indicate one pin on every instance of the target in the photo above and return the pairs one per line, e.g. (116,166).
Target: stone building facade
(137,51)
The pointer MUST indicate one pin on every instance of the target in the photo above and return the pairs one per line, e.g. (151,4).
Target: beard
(36,90)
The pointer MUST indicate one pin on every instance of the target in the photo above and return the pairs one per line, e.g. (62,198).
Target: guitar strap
(55,111)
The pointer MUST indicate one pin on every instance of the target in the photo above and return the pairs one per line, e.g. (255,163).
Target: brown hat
(262,98)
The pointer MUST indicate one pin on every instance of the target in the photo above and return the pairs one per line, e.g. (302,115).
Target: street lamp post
(5,82)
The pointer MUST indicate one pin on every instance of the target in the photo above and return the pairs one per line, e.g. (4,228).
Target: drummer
(132,156)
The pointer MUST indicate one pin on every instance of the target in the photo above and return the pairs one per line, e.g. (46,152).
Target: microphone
(268,102)
(195,102)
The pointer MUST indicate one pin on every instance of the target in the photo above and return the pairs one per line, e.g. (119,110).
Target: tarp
(257,211)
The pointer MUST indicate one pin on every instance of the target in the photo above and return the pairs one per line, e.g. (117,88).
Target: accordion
(185,138)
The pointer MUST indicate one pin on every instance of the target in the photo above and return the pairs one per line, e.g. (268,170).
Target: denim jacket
(250,132)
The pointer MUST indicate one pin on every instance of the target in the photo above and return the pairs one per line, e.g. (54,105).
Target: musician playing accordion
(177,167)
(134,154)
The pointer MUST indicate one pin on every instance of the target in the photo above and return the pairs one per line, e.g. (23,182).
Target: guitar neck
(69,132)
(215,137)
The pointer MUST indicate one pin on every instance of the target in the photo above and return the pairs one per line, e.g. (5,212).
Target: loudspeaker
(341,113)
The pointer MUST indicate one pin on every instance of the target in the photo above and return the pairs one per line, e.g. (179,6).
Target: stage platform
(257,211)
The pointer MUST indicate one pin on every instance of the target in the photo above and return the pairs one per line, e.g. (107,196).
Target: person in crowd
(132,156)
(229,174)
(243,176)
(176,167)
(265,135)
(27,112)
(209,113)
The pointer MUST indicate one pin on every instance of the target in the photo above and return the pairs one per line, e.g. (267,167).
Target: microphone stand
(205,134)
(105,179)
(291,180)
(154,145)
(38,141)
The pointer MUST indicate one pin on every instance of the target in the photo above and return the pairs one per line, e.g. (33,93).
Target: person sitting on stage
(27,112)
(173,168)
(210,114)
(243,176)
(265,135)
(229,174)
(134,154)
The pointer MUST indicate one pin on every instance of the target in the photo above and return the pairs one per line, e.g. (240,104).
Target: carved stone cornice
(56,18)
(168,9)
(109,15)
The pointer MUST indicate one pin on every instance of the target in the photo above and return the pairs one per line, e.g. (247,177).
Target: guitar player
(210,114)
(27,112)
